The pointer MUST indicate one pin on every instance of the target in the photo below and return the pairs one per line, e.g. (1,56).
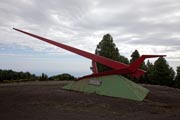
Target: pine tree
(134,56)
(177,79)
(163,73)
(43,77)
(123,59)
(150,72)
(108,49)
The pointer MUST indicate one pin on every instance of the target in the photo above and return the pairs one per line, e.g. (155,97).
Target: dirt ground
(47,101)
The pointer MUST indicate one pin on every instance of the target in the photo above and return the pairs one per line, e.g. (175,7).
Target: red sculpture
(118,67)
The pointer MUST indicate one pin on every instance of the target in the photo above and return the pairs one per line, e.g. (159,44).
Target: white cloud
(152,27)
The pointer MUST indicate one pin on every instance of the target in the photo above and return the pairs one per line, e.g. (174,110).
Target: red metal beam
(131,70)
(119,68)
(100,59)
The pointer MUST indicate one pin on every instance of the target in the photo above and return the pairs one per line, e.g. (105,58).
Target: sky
(150,26)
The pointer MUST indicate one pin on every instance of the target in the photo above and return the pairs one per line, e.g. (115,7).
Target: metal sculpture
(118,68)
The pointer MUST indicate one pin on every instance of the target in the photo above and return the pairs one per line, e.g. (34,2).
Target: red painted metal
(137,74)
(94,67)
(100,59)
(119,68)
(128,70)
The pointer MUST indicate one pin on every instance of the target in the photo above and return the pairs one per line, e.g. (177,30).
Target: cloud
(152,27)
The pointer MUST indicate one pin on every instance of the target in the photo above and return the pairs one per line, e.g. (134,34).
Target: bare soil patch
(47,101)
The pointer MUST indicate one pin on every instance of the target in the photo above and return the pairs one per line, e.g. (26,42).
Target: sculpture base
(112,85)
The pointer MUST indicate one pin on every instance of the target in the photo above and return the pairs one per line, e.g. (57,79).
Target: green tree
(123,59)
(150,72)
(134,56)
(177,79)
(1,72)
(163,73)
(43,77)
(64,76)
(108,49)
(10,75)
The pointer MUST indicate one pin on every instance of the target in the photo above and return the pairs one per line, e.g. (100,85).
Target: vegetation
(9,75)
(159,73)
(177,79)
(13,76)
(163,74)
(108,49)
(134,56)
(64,76)
(43,77)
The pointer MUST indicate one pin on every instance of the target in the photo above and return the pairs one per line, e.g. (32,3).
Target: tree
(177,79)
(163,74)
(10,75)
(150,72)
(1,77)
(64,76)
(123,59)
(108,49)
(43,77)
(134,56)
